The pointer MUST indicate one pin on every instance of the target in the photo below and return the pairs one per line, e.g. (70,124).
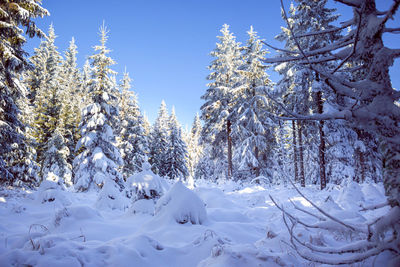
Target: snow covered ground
(226,224)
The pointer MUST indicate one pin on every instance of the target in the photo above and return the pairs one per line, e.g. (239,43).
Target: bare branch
(390,13)
(392,30)
(334,29)
(352,3)
(354,45)
(280,49)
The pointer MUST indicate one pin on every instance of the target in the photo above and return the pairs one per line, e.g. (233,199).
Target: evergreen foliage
(16,166)
(97,164)
(133,142)
(176,165)
(216,112)
(159,142)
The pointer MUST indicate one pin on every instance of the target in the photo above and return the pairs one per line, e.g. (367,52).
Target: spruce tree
(298,90)
(195,149)
(159,142)
(253,129)
(99,159)
(55,164)
(132,140)
(217,109)
(47,102)
(71,99)
(176,165)
(16,167)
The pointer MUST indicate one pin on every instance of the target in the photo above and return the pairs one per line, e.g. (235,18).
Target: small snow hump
(146,185)
(181,205)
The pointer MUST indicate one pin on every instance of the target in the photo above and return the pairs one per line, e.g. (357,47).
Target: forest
(289,172)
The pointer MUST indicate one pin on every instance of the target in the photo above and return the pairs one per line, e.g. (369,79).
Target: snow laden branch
(370,244)
(354,70)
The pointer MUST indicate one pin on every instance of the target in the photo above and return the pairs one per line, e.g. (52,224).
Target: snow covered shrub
(110,196)
(182,205)
(146,184)
(49,191)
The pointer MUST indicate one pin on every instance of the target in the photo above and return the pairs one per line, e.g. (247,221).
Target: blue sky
(165,45)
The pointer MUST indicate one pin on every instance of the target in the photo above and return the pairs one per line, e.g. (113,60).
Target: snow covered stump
(181,205)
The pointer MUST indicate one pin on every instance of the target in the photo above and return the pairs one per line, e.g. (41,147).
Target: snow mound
(181,205)
(145,206)
(50,191)
(146,185)
(111,198)
(372,193)
(240,255)
(351,196)
(213,197)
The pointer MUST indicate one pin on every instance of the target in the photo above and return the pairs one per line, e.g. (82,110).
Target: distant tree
(159,142)
(176,165)
(132,140)
(195,149)
(71,99)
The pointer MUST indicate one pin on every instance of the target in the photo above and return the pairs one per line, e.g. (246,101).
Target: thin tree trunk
(362,166)
(295,160)
(228,131)
(300,134)
(257,169)
(256,151)
(321,148)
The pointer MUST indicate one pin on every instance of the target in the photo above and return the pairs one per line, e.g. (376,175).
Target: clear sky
(165,44)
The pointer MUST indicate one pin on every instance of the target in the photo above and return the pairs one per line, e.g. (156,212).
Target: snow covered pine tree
(97,164)
(15,166)
(372,107)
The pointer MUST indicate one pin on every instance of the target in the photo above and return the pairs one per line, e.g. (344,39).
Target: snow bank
(351,196)
(240,255)
(145,206)
(181,205)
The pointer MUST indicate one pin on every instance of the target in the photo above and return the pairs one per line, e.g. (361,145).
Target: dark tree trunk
(228,132)
(256,169)
(362,166)
(300,134)
(360,156)
(295,160)
(321,147)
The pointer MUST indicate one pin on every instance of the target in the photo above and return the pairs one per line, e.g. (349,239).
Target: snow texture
(228,225)
(182,205)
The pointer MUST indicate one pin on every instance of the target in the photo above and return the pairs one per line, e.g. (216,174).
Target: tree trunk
(295,160)
(391,171)
(228,132)
(257,169)
(321,147)
(300,134)
(362,166)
